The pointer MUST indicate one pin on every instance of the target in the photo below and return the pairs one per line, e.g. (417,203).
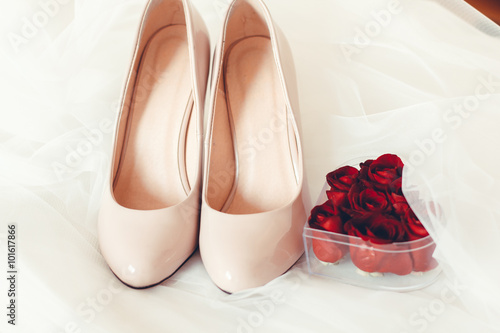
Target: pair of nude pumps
(238,192)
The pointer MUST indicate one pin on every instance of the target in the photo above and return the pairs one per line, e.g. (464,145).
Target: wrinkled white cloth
(416,78)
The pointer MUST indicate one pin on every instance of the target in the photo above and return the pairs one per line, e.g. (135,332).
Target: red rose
(381,258)
(342,179)
(385,170)
(326,249)
(340,182)
(327,217)
(376,228)
(364,200)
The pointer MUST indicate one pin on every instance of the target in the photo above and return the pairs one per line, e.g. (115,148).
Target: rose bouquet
(367,215)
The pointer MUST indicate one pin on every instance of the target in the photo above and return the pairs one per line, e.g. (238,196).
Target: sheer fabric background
(416,78)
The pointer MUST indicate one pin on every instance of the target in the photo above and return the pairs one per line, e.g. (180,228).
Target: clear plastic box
(400,266)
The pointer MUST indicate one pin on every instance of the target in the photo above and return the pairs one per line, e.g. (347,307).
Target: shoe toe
(143,248)
(233,273)
(246,251)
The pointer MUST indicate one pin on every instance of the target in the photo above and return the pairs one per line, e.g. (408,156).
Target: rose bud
(366,200)
(326,217)
(342,179)
(384,170)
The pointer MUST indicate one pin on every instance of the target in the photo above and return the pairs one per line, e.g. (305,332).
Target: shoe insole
(150,174)
(255,99)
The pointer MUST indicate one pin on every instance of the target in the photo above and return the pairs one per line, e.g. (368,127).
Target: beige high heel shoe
(149,220)
(252,210)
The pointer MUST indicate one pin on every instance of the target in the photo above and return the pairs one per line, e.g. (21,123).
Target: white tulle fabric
(416,78)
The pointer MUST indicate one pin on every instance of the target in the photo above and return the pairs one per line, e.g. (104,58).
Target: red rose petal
(342,178)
